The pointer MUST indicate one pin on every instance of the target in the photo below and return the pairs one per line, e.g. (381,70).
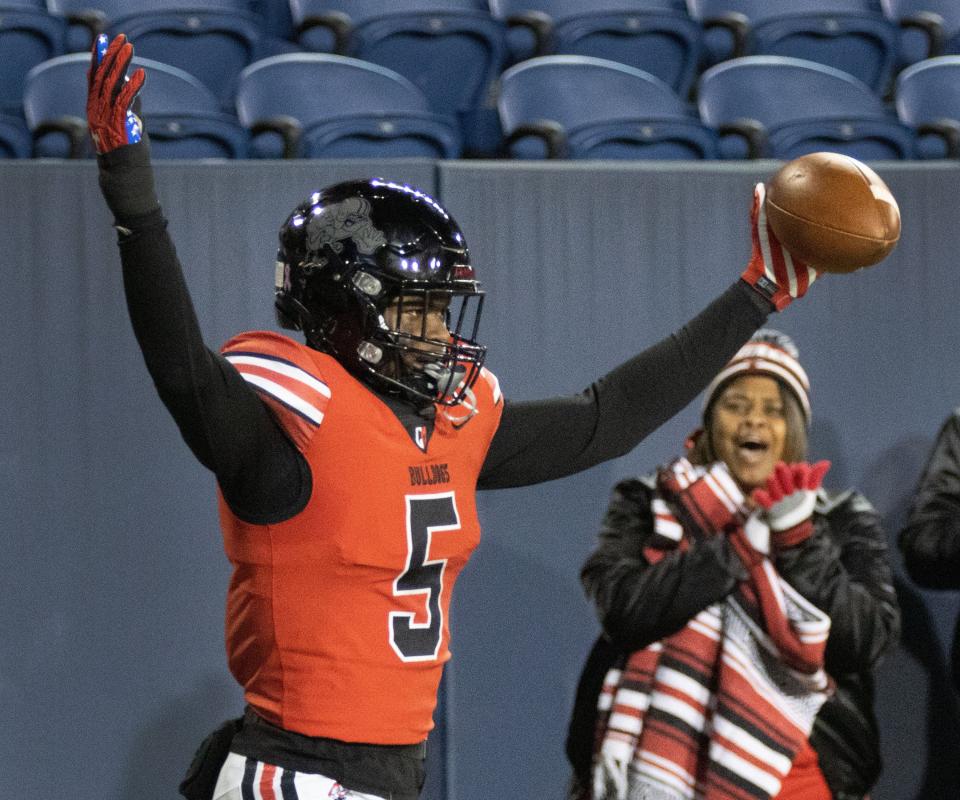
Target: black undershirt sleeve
(261,473)
(546,439)
(231,432)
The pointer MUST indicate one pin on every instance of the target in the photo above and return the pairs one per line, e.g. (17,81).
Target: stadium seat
(210,39)
(657,36)
(28,35)
(452,50)
(588,108)
(15,139)
(316,105)
(928,100)
(277,19)
(784,107)
(929,28)
(181,115)
(850,35)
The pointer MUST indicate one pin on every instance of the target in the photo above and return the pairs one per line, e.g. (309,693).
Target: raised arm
(542,440)
(222,420)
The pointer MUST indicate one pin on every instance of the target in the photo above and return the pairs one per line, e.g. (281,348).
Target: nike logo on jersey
(429,475)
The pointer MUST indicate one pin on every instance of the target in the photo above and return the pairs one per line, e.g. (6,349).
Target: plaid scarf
(718,710)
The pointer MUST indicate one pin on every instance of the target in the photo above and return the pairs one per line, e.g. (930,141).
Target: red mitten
(772,271)
(110,95)
(788,500)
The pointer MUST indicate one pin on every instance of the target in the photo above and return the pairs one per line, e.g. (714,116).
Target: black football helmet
(350,251)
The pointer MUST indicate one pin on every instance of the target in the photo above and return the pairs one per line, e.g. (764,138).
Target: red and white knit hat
(768,352)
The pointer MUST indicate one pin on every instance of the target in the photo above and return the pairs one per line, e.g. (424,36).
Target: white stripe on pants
(242,778)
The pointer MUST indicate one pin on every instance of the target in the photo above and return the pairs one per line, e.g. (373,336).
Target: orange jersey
(338,618)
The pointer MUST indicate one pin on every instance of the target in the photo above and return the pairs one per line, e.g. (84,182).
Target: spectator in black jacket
(743,608)
(930,541)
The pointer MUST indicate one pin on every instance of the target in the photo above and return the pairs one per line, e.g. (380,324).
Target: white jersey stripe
(283,368)
(311,412)
(494,381)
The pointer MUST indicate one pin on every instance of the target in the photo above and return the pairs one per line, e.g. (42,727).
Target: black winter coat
(842,568)
(930,541)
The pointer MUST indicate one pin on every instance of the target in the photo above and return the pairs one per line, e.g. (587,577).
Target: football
(832,212)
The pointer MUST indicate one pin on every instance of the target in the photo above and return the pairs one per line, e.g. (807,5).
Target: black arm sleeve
(844,570)
(222,420)
(930,541)
(640,602)
(542,440)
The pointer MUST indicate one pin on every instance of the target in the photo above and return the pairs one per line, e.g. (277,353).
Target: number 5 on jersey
(426,514)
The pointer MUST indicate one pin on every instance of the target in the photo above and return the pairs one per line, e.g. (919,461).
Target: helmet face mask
(413,357)
(361,267)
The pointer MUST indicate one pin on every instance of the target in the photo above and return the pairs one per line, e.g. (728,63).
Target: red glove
(712,501)
(110,95)
(772,271)
(789,498)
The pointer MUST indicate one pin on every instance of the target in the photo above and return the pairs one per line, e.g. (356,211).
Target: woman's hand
(789,498)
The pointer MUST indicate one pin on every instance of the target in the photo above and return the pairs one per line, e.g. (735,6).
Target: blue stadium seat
(657,36)
(277,19)
(15,141)
(850,35)
(316,105)
(930,28)
(28,35)
(181,115)
(588,108)
(928,100)
(210,39)
(784,107)
(452,50)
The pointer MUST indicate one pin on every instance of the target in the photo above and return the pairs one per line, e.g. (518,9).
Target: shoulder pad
(287,378)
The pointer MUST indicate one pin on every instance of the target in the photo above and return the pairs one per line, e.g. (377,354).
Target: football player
(337,608)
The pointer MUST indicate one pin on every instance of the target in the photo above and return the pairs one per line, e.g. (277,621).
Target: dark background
(112,575)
